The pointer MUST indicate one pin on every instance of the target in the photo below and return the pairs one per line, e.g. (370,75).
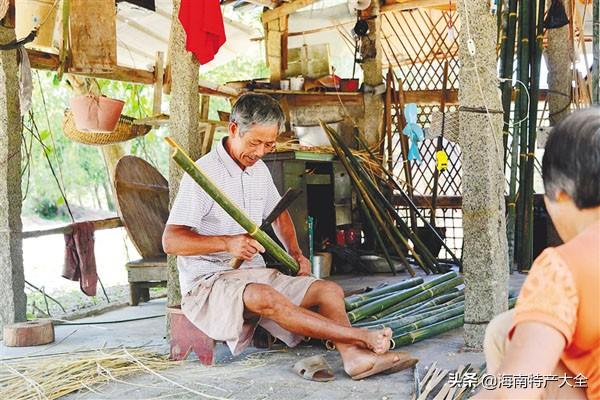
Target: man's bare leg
(267,302)
(329,298)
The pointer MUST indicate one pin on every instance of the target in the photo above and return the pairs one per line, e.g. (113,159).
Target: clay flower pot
(96,113)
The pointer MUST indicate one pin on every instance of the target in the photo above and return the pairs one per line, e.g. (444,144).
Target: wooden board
(143,204)
(93,36)
(31,333)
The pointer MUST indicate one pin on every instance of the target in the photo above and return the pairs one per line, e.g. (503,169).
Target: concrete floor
(255,374)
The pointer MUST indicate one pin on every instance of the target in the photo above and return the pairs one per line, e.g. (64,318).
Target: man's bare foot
(358,361)
(379,341)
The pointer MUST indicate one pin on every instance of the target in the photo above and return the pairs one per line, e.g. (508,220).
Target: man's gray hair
(257,109)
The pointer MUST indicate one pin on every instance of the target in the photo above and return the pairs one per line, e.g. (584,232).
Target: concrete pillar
(371,54)
(485,257)
(184,122)
(559,56)
(12,281)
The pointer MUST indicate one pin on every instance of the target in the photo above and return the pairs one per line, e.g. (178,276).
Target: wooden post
(371,53)
(183,123)
(485,256)
(159,72)
(204,106)
(12,281)
(276,45)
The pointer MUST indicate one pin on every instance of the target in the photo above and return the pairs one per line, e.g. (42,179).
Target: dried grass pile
(374,166)
(50,377)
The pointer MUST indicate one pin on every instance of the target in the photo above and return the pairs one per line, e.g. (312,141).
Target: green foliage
(79,168)
(46,208)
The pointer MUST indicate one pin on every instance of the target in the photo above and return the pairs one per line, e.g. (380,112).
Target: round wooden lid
(143,203)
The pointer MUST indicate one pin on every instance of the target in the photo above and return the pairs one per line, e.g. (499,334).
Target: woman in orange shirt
(554,330)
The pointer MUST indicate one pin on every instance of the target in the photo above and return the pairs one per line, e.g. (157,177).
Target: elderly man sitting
(228,304)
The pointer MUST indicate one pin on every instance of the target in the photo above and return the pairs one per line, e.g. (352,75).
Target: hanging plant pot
(96,113)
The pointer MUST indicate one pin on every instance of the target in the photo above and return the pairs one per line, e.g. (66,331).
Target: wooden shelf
(304,93)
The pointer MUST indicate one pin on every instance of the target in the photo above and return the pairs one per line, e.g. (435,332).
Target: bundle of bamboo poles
(523,22)
(413,309)
(389,228)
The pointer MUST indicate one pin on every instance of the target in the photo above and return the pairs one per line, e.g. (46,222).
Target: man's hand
(243,246)
(303,263)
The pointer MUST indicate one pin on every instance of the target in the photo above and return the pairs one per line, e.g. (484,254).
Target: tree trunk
(108,195)
(485,247)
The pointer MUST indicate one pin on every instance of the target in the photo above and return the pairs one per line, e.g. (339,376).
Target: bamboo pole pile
(415,310)
(523,22)
(389,228)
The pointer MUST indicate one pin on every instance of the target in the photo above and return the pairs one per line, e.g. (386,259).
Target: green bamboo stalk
(186,163)
(450,298)
(384,203)
(524,63)
(443,299)
(536,50)
(401,321)
(394,298)
(392,184)
(428,331)
(384,225)
(427,294)
(403,228)
(436,308)
(398,323)
(405,284)
(439,316)
(428,303)
(506,68)
(378,237)
(379,198)
(359,303)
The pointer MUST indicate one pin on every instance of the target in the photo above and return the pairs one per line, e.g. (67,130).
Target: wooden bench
(145,274)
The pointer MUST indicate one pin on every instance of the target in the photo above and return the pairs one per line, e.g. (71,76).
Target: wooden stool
(144,274)
(185,338)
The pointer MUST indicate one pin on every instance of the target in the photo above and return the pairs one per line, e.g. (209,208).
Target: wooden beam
(430,96)
(100,224)
(284,10)
(48,61)
(401,5)
(452,202)
(271,4)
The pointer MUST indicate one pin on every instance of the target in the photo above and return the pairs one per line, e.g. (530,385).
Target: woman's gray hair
(256,109)
(571,160)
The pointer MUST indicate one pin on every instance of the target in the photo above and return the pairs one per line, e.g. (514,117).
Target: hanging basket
(125,130)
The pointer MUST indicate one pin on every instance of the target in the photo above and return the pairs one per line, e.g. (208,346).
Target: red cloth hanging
(203,25)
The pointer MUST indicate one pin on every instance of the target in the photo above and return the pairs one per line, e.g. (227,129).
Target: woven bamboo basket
(125,130)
